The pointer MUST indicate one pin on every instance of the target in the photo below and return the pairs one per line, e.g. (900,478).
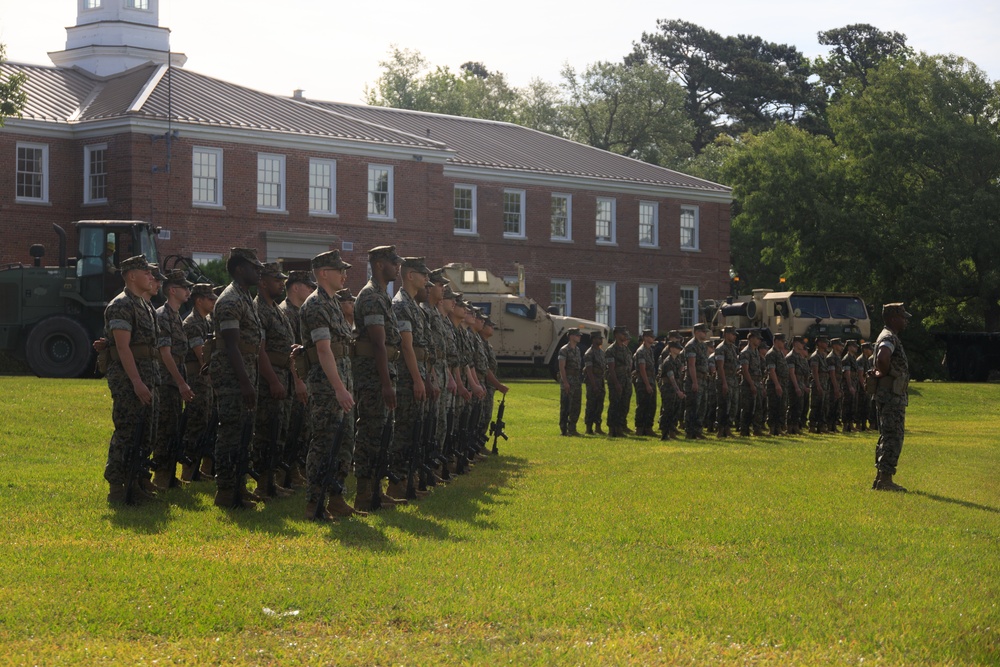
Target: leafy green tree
(858,49)
(12,95)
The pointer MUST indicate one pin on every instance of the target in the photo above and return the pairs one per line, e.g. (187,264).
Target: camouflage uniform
(849,390)
(372,308)
(594,359)
(710,413)
(170,330)
(199,411)
(491,366)
(818,406)
(438,360)
(619,360)
(670,402)
(694,409)
(451,403)
(294,451)
(233,310)
(776,405)
(409,318)
(729,405)
(750,359)
(321,318)
(569,402)
(891,400)
(271,425)
(128,312)
(833,404)
(796,403)
(645,402)
(481,363)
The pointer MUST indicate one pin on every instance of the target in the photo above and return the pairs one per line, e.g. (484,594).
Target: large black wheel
(59,347)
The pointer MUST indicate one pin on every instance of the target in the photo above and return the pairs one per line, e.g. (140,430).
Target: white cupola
(111,36)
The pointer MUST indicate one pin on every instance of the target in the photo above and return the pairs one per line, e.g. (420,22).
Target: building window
(201,258)
(562,217)
(92,4)
(464,216)
(604,303)
(689,306)
(560,296)
(138,4)
(270,182)
(206,177)
(689,228)
(95,174)
(379,191)
(649,233)
(322,187)
(605,220)
(513,214)
(647,307)
(32,172)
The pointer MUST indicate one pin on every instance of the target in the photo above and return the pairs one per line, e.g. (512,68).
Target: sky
(332,49)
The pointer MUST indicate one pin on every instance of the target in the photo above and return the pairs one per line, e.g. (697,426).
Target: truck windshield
(826,307)
(810,306)
(147,244)
(847,307)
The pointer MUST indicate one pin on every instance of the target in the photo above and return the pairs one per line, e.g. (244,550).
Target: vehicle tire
(59,347)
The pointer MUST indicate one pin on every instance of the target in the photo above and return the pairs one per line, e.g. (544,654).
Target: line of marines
(716,386)
(300,391)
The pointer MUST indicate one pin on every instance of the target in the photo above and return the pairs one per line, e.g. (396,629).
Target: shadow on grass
(148,518)
(956,501)
(359,533)
(470,496)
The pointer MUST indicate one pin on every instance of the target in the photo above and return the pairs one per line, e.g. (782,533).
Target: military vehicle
(50,315)
(525,335)
(806,314)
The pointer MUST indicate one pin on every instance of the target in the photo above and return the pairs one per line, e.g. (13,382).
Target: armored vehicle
(525,333)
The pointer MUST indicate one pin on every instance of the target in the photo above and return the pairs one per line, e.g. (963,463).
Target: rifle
(135,456)
(205,447)
(497,427)
(416,449)
(463,437)
(329,479)
(431,456)
(291,453)
(243,457)
(382,462)
(449,443)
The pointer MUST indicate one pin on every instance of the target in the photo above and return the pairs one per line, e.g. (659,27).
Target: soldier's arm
(834,381)
(795,380)
(266,371)
(720,370)
(612,375)
(773,374)
(376,334)
(410,359)
(328,361)
(745,370)
(168,362)
(817,385)
(122,339)
(645,377)
(563,377)
(692,373)
(883,361)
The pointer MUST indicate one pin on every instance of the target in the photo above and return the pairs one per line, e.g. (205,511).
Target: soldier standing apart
(132,373)
(892,372)
(835,369)
(671,395)
(327,339)
(696,360)
(798,378)
(291,473)
(570,369)
(644,379)
(594,367)
(172,347)
(239,343)
(777,384)
(274,384)
(849,368)
(750,372)
(198,330)
(619,359)
(727,364)
(819,370)
(377,349)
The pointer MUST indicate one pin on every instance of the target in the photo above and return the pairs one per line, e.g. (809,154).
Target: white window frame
(654,321)
(569,218)
(522,233)
(217,152)
(613,223)
(92,4)
(88,191)
(611,298)
(389,204)
(655,243)
(568,285)
(694,308)
(134,4)
(473,224)
(695,244)
(202,258)
(331,208)
(280,160)
(44,197)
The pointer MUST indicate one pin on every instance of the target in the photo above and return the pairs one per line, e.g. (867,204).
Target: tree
(12,95)
(633,110)
(858,49)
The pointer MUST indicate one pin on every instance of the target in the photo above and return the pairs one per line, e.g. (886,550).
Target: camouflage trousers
(595,404)
(670,408)
(128,414)
(569,407)
(271,423)
(232,456)
(409,415)
(833,408)
(619,405)
(776,406)
(748,406)
(199,411)
(645,405)
(371,413)
(891,411)
(694,406)
(795,405)
(710,403)
(818,406)
(165,450)
(325,415)
(848,405)
(445,401)
(729,403)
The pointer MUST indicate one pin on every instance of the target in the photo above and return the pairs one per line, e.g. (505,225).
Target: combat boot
(847,428)
(231,499)
(395,493)
(116,495)
(207,470)
(883,482)
(338,507)
(297,479)
(745,432)
(187,472)
(598,430)
(363,499)
(161,479)
(590,430)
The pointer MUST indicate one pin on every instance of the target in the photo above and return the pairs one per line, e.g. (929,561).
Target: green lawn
(559,551)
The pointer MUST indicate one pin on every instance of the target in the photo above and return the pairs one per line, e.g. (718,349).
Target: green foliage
(583,552)
(215,270)
(12,95)
(858,49)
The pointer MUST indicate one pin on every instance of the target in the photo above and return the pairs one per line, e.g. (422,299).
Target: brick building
(115,131)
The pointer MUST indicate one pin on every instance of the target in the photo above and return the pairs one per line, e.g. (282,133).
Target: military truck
(50,315)
(797,313)
(525,335)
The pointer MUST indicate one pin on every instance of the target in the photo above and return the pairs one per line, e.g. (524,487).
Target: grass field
(559,551)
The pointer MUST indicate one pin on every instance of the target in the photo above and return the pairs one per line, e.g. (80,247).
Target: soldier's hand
(143,393)
(249,395)
(649,389)
(464,393)
(478,391)
(694,386)
(452,385)
(278,391)
(186,393)
(419,389)
(503,389)
(778,391)
(389,397)
(301,392)
(753,390)
(565,387)
(681,395)
(725,390)
(100,344)
(798,391)
(345,399)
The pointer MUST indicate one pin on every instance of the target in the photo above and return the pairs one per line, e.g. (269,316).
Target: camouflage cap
(648,333)
(437,277)
(822,339)
(489,323)
(203,291)
(763,344)
(177,277)
(893,309)
(675,344)
(384,253)
(329,260)
(219,289)
(480,314)
(728,329)
(273,270)
(249,254)
(754,333)
(836,341)
(345,295)
(304,277)
(417,264)
(157,274)
(798,339)
(673,333)
(851,342)
(867,346)
(620,329)
(449,293)
(778,336)
(137,263)
(573,331)
(701,326)
(597,335)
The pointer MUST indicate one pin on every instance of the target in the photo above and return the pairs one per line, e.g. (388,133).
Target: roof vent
(297,94)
